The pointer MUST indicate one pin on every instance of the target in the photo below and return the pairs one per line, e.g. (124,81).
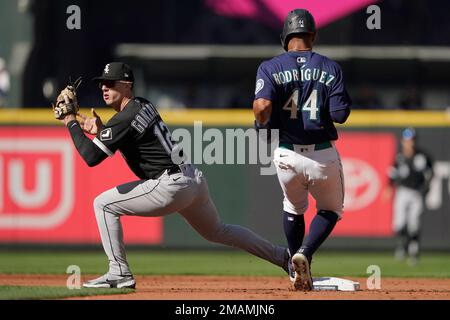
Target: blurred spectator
(367,98)
(4,82)
(410,99)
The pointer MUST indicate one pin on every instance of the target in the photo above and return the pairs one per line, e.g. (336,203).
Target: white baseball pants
(304,170)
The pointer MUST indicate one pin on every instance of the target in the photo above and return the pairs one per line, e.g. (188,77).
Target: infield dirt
(244,287)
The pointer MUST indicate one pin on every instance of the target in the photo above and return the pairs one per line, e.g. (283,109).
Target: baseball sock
(321,227)
(413,245)
(294,229)
(402,241)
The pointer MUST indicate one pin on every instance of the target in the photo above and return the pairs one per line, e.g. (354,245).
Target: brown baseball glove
(66,102)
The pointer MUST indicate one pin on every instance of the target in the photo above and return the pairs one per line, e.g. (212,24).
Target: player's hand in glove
(66,102)
(91,125)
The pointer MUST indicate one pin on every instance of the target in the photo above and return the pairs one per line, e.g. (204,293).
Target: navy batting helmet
(297,21)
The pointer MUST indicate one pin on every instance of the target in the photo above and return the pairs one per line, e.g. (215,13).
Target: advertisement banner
(47,191)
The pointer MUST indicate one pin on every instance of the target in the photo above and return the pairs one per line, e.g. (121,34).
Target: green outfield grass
(31,293)
(157,262)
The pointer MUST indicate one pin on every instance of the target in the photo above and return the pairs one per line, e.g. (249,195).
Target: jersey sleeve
(265,87)
(393,171)
(429,169)
(339,97)
(113,135)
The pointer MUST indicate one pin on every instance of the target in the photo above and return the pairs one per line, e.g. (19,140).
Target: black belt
(317,146)
(170,171)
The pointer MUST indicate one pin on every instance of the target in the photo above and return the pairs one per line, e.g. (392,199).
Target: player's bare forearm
(262,109)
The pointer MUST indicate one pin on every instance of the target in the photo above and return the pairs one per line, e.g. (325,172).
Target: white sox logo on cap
(106,68)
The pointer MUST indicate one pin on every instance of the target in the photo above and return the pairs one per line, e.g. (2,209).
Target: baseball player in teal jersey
(301,93)
(163,184)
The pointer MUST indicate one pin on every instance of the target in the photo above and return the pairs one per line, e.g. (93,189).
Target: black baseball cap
(116,71)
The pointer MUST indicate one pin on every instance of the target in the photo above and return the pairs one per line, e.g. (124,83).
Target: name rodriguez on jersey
(302,75)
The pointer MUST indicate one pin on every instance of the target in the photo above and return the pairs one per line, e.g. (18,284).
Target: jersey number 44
(310,106)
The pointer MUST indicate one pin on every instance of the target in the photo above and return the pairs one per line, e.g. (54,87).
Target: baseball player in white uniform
(301,93)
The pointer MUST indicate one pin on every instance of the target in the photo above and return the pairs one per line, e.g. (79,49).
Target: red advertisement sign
(366,157)
(47,191)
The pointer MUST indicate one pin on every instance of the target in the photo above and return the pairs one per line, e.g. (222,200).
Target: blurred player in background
(302,93)
(4,82)
(411,175)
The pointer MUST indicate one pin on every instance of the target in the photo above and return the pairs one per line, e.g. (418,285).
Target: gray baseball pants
(186,193)
(408,208)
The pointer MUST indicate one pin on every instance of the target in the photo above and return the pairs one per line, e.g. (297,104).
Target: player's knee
(99,203)
(102,205)
(330,215)
(295,209)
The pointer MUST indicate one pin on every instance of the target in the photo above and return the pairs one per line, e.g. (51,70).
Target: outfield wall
(46,190)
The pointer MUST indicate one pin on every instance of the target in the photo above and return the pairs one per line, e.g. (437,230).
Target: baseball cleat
(303,280)
(291,271)
(288,266)
(104,282)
